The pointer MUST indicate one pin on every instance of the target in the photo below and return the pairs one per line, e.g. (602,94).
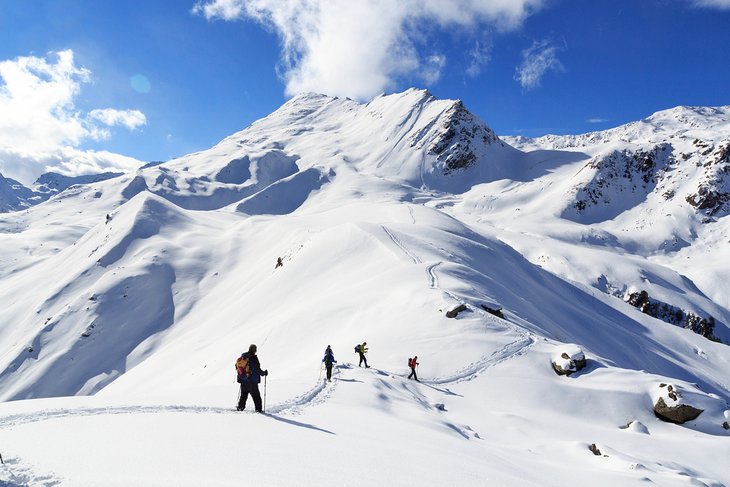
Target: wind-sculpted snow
(84,349)
(284,196)
(213,188)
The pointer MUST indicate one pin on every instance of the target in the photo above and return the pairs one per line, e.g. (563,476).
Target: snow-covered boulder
(672,407)
(568,359)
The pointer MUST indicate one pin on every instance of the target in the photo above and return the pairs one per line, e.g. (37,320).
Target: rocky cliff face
(460,138)
(622,176)
(713,190)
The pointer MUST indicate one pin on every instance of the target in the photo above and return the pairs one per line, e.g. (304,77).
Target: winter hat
(252,348)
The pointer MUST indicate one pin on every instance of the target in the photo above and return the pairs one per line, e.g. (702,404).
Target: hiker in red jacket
(413,363)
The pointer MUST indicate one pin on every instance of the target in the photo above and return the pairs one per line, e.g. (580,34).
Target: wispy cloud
(40,123)
(361,48)
(721,4)
(479,57)
(537,60)
(431,71)
(130,119)
(598,120)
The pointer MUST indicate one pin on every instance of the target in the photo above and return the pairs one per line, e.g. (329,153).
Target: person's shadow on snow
(297,423)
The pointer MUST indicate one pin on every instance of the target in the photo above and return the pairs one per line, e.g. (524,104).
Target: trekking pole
(265,391)
(238,401)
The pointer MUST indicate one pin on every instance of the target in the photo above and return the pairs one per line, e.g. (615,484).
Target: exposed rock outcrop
(672,314)
(452,313)
(713,192)
(671,407)
(460,134)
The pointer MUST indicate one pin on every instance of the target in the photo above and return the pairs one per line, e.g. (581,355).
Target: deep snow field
(118,337)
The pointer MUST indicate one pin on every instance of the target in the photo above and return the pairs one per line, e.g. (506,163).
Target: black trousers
(329,371)
(413,373)
(253,389)
(363,359)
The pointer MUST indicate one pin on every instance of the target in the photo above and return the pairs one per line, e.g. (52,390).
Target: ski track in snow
(14,474)
(400,245)
(316,395)
(433,281)
(518,347)
(471,371)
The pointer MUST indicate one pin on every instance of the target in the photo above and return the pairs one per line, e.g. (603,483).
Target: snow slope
(119,335)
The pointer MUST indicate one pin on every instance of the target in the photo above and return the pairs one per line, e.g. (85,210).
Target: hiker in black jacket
(329,359)
(250,384)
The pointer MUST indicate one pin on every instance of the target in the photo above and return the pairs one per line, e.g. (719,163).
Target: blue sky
(159,79)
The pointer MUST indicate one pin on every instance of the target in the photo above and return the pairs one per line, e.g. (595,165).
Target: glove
(266,372)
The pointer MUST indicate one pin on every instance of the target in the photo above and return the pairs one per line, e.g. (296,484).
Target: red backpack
(410,362)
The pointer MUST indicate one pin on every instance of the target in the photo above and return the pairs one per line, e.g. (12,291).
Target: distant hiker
(279,263)
(362,350)
(329,359)
(413,363)
(250,378)
(108,218)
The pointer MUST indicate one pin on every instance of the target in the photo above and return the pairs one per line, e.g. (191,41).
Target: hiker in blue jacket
(329,359)
(251,380)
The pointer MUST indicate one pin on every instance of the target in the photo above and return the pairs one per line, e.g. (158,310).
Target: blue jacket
(331,356)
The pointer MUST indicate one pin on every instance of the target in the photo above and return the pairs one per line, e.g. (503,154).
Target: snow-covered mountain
(407,223)
(15,196)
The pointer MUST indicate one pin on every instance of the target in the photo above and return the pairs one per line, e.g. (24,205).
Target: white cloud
(361,48)
(537,60)
(597,120)
(40,124)
(36,102)
(127,118)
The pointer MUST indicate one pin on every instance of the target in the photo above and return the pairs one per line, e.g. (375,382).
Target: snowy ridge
(127,300)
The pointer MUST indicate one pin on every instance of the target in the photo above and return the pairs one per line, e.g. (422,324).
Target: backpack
(410,362)
(357,348)
(243,369)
